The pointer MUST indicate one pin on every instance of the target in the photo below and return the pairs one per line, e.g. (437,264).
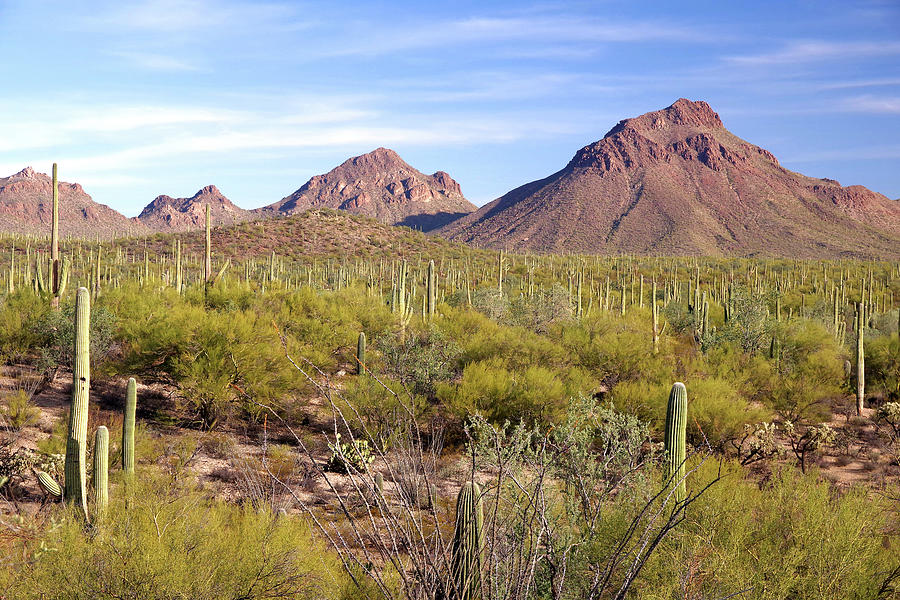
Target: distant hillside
(185,214)
(26,206)
(675,181)
(383,186)
(315,233)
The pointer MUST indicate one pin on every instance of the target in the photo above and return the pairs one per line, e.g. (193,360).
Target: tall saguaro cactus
(860,359)
(101,468)
(128,427)
(361,353)
(432,283)
(207,263)
(468,541)
(76,441)
(54,246)
(676,432)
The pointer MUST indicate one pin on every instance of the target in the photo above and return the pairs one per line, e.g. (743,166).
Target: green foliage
(791,538)
(19,412)
(20,314)
(168,542)
(490,389)
(349,457)
(56,337)
(883,366)
(718,412)
(420,359)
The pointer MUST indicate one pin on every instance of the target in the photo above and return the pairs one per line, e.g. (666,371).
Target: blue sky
(137,99)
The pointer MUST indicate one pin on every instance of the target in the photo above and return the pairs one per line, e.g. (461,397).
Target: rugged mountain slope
(675,181)
(26,206)
(184,214)
(381,185)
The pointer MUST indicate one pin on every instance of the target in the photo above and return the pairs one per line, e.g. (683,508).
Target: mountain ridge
(675,181)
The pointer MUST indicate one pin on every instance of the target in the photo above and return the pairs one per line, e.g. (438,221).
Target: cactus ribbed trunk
(128,427)
(101,468)
(860,360)
(361,353)
(432,284)
(676,432)
(654,309)
(76,442)
(54,246)
(468,542)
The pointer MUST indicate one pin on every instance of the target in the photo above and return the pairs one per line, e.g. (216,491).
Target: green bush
(19,314)
(489,389)
(883,367)
(792,538)
(167,542)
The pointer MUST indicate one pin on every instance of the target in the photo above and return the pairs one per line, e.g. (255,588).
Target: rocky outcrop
(165,213)
(381,185)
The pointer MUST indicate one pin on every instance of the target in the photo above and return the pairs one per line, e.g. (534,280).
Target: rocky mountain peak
(381,185)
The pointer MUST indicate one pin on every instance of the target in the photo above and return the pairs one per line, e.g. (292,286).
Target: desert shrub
(718,412)
(19,412)
(805,373)
(480,338)
(539,312)
(56,337)
(233,364)
(418,360)
(490,389)
(491,304)
(19,314)
(792,538)
(171,542)
(616,349)
(380,405)
(883,367)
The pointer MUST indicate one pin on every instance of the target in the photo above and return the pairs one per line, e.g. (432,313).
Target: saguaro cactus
(860,360)
(54,246)
(676,432)
(468,541)
(101,468)
(361,353)
(49,485)
(76,441)
(128,426)
(207,263)
(432,283)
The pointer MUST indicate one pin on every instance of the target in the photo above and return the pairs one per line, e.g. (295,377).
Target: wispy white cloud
(177,16)
(861,83)
(873,104)
(816,50)
(537,30)
(156,62)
